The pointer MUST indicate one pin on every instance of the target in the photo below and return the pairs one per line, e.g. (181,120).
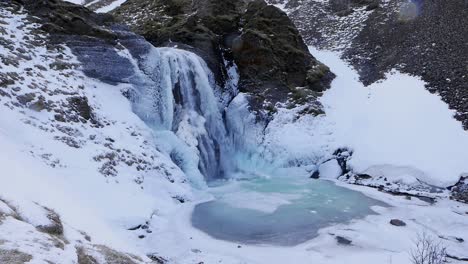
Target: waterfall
(179,101)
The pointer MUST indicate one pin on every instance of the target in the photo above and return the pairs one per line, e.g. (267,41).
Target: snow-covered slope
(395,129)
(73,155)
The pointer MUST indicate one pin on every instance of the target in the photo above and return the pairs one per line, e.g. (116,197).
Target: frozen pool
(283,211)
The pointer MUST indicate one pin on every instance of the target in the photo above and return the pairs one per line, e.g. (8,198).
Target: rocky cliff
(271,57)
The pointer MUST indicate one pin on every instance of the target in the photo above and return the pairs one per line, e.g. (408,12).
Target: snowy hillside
(72,144)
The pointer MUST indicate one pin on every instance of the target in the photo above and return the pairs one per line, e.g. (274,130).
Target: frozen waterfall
(181,105)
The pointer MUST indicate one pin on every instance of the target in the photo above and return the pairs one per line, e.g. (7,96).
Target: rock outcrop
(260,39)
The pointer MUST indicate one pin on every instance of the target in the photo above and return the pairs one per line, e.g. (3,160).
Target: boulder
(397,222)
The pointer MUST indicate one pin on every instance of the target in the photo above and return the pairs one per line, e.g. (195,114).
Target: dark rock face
(61,17)
(93,38)
(271,56)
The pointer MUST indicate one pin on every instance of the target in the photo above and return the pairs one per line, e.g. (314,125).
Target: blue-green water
(283,211)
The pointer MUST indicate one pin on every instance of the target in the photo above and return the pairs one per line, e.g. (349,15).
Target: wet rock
(397,222)
(343,240)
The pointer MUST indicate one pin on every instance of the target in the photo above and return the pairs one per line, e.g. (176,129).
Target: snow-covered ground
(101,174)
(395,128)
(374,240)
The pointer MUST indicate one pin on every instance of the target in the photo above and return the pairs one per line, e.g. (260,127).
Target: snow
(396,123)
(78,2)
(40,170)
(330,170)
(388,132)
(395,128)
(110,7)
(374,239)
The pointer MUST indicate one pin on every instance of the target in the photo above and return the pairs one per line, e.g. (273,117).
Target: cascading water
(182,107)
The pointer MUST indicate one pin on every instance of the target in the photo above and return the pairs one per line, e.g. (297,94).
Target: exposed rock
(397,222)
(459,191)
(14,256)
(342,156)
(343,240)
(60,17)
(271,56)
(158,259)
(26,98)
(55,227)
(81,106)
(315,175)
